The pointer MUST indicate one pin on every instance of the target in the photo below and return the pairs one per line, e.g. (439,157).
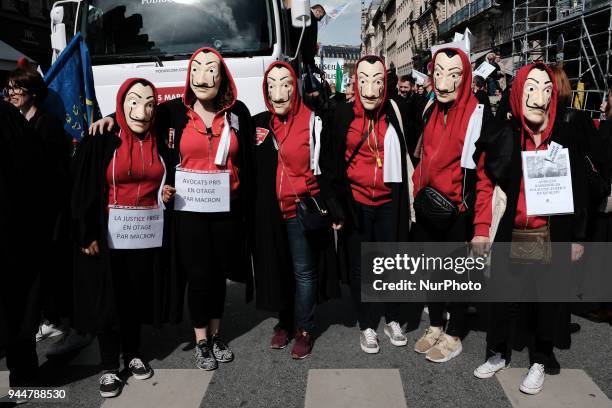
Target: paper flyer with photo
(548,183)
(484,70)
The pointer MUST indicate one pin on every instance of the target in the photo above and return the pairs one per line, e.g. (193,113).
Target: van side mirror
(300,13)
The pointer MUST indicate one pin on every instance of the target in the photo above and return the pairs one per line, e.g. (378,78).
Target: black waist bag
(433,208)
(311,214)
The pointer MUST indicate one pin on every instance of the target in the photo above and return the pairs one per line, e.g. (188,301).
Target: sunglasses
(14,90)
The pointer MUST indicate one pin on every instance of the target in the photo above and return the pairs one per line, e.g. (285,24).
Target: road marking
(354,388)
(571,388)
(167,388)
(4,383)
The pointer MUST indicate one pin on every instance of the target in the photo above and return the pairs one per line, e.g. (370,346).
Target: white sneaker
(71,341)
(48,330)
(534,381)
(369,341)
(395,334)
(493,364)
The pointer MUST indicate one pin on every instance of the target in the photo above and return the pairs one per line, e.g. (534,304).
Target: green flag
(339,77)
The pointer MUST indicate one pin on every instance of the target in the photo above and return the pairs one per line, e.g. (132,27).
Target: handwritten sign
(203,192)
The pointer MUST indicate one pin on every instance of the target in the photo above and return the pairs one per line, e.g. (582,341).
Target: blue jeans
(304,260)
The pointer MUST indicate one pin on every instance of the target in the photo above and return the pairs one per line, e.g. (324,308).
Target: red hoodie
(440,165)
(521,220)
(364,173)
(138,168)
(199,147)
(292,131)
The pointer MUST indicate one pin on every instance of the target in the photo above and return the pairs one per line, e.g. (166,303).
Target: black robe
(171,119)
(57,279)
(93,280)
(333,164)
(25,186)
(504,166)
(274,278)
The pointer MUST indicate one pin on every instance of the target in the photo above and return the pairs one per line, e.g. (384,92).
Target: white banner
(548,183)
(203,192)
(329,67)
(135,228)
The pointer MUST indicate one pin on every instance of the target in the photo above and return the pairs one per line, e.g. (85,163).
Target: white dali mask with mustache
(205,76)
(138,107)
(447,77)
(371,80)
(537,94)
(280,89)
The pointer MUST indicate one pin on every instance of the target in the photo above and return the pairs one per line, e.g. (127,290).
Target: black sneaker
(110,385)
(204,356)
(139,369)
(222,352)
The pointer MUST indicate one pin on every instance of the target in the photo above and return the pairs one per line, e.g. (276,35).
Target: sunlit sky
(346,29)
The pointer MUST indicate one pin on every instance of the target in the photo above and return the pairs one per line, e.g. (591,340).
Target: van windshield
(135,30)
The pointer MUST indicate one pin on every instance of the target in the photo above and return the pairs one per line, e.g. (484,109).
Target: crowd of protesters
(298,189)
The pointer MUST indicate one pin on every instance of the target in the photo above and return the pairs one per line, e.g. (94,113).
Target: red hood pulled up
(516,98)
(189,96)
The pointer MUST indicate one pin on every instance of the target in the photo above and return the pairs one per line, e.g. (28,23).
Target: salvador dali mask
(280,89)
(537,93)
(447,77)
(371,81)
(138,107)
(205,76)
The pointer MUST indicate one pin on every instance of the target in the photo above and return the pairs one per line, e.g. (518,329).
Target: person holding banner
(365,157)
(535,146)
(452,191)
(118,218)
(294,258)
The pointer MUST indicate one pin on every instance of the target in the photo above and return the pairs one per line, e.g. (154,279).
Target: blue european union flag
(72,97)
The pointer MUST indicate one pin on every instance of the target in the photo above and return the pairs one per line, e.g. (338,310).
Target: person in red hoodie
(294,263)
(364,157)
(535,125)
(118,219)
(209,135)
(450,167)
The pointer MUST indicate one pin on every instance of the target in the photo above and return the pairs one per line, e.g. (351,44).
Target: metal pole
(586,29)
(590,66)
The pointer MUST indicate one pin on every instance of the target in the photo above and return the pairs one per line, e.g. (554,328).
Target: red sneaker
(280,339)
(302,346)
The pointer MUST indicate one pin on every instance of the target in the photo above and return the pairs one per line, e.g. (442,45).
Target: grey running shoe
(395,334)
(369,341)
(205,359)
(221,351)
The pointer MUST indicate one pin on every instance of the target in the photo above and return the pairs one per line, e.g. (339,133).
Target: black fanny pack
(311,214)
(433,208)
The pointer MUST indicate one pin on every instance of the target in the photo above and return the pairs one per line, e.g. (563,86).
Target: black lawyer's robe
(274,278)
(24,199)
(93,285)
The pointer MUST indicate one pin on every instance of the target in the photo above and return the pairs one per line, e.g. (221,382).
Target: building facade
(26,27)
(405,30)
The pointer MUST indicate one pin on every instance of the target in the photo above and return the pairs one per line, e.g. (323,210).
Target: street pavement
(337,374)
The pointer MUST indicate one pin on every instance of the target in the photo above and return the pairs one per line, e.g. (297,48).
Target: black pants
(460,231)
(376,226)
(58,282)
(20,310)
(132,271)
(535,322)
(206,250)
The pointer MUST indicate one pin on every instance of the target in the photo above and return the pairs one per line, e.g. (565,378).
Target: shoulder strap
(361,142)
(398,115)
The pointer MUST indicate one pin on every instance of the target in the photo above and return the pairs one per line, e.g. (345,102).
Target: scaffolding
(574,33)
